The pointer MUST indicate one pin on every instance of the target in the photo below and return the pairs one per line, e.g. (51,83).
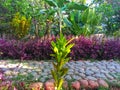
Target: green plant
(20,25)
(61,50)
(21,82)
(117,33)
(110,15)
(27,8)
(103,88)
(91,20)
(64,5)
(83,23)
(24,78)
(13,6)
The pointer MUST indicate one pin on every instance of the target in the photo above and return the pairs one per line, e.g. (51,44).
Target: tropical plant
(20,25)
(61,50)
(83,23)
(61,6)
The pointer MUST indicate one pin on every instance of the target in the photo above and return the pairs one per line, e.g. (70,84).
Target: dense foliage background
(77,17)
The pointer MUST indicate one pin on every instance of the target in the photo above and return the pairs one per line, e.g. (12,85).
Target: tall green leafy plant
(64,5)
(61,49)
(83,23)
(91,20)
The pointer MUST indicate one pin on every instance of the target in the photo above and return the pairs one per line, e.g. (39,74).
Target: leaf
(62,62)
(55,65)
(67,22)
(76,28)
(85,16)
(52,55)
(43,11)
(54,75)
(55,49)
(60,84)
(51,12)
(76,6)
(72,16)
(59,56)
(67,59)
(69,41)
(64,71)
(69,47)
(53,44)
(83,1)
(51,3)
(61,3)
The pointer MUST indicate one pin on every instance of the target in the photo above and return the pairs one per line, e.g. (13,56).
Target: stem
(60,20)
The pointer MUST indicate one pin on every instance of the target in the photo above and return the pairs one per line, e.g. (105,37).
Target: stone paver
(77,69)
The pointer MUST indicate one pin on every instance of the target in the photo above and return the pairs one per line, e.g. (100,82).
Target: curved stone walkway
(77,69)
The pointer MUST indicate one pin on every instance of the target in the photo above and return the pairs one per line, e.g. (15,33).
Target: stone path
(77,69)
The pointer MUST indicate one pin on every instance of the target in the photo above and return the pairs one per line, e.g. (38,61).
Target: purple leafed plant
(40,49)
(111,49)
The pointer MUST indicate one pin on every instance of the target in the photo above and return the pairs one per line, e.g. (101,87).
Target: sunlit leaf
(55,49)
(60,84)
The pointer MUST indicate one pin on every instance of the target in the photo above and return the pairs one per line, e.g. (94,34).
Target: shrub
(11,49)
(86,48)
(82,48)
(20,25)
(40,49)
(111,49)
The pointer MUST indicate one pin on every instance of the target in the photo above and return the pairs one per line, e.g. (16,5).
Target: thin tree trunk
(47,24)
(60,20)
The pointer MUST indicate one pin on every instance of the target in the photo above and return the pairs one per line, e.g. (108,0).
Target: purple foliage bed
(38,49)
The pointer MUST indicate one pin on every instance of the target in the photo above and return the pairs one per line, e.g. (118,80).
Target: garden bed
(39,71)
